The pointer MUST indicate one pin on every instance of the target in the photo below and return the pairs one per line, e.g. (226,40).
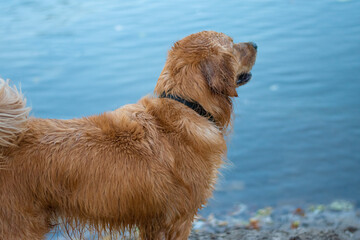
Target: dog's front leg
(151,233)
(180,229)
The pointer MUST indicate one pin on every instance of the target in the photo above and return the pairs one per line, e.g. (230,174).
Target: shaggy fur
(149,165)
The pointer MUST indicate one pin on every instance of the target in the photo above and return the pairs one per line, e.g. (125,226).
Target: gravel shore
(299,234)
(339,220)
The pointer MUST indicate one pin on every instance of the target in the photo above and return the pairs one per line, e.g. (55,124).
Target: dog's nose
(254,45)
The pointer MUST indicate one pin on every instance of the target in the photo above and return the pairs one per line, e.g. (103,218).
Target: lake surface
(296,133)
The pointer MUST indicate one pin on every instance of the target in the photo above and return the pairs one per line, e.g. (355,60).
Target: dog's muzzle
(243,78)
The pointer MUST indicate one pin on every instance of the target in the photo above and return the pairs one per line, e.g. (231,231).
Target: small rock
(299,212)
(254,224)
(222,223)
(295,224)
(198,225)
(341,205)
(264,211)
(350,229)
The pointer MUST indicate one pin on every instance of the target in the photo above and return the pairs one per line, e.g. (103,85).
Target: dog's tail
(13,114)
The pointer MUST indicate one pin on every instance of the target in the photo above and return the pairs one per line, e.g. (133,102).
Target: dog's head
(207,67)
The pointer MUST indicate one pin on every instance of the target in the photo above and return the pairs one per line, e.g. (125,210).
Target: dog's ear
(219,74)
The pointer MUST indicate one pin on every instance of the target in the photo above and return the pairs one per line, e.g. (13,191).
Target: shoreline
(339,220)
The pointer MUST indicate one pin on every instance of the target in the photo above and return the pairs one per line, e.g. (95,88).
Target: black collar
(193,105)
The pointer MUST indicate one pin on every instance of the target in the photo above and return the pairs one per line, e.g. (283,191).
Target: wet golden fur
(149,165)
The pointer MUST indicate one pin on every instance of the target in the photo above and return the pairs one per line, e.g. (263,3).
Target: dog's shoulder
(177,120)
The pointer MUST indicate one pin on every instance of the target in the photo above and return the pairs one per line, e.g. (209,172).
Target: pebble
(339,220)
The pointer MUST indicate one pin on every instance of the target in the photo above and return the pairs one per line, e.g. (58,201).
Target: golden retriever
(148,166)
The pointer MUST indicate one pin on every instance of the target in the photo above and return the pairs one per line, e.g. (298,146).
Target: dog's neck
(217,105)
(193,105)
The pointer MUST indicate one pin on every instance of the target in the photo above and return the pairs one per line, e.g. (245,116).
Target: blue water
(296,134)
